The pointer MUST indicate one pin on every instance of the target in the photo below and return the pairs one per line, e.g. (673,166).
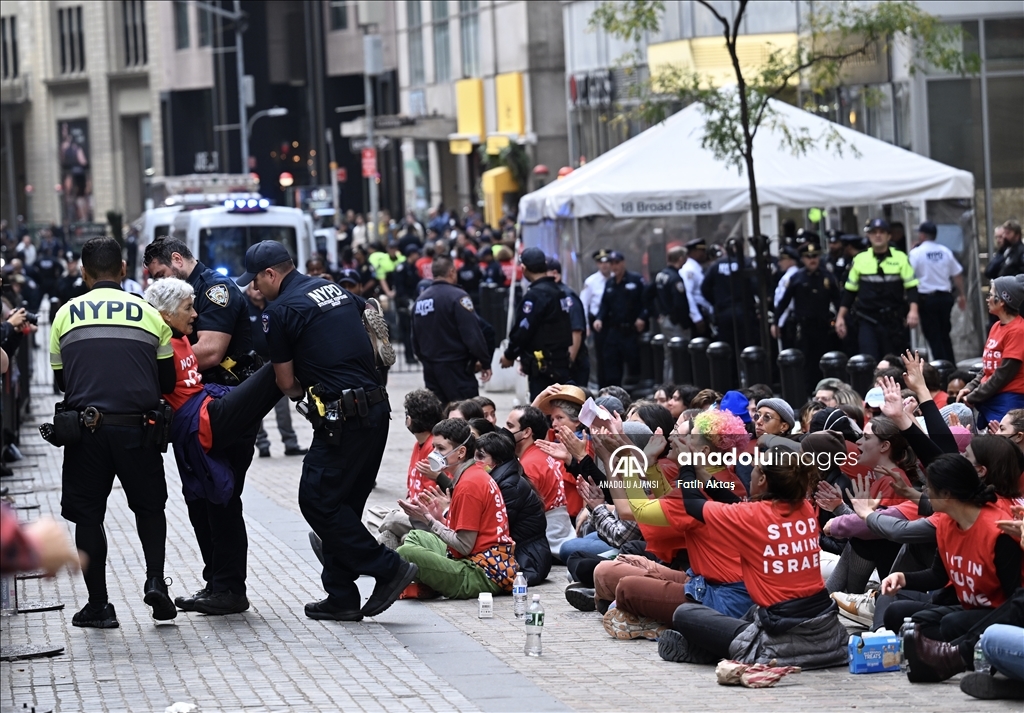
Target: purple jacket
(203,476)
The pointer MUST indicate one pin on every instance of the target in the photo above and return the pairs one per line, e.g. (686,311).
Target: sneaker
(264,452)
(156,597)
(189,603)
(580,597)
(988,687)
(856,607)
(624,625)
(672,646)
(385,593)
(96,617)
(377,328)
(325,611)
(221,603)
(295,451)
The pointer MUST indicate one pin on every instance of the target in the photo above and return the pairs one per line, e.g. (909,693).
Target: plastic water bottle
(534,627)
(981,664)
(519,591)
(906,630)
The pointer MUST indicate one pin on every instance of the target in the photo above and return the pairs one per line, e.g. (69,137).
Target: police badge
(218,294)
(266,323)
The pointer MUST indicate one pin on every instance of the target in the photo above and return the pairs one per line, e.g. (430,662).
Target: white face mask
(439,461)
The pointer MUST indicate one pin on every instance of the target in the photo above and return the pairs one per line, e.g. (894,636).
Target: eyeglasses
(765,417)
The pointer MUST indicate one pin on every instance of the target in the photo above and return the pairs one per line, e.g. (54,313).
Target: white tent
(665,172)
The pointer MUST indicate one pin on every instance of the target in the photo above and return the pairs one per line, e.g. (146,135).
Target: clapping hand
(860,498)
(438,501)
(591,494)
(574,444)
(828,497)
(556,450)
(655,445)
(423,468)
(993,428)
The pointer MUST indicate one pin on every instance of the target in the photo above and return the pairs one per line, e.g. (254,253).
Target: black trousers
(449,380)
(882,338)
(554,374)
(940,623)
(813,339)
(220,529)
(935,309)
(621,348)
(336,481)
(708,632)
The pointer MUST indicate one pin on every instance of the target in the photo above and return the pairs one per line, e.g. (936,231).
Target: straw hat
(566,392)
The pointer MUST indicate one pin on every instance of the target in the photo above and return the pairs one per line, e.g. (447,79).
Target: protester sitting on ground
(933,382)
(562,404)
(980,562)
(480,426)
(957,380)
(662,394)
(806,413)
(795,623)
(890,361)
(618,392)
(422,413)
(468,550)
(465,410)
(1000,385)
(684,394)
(774,417)
(612,405)
(957,414)
(527,424)
(495,453)
(849,396)
(488,407)
(1011,426)
(214,432)
(737,403)
(826,390)
(828,449)
(646,594)
(705,399)
(855,412)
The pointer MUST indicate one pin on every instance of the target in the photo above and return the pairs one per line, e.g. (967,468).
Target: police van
(219,236)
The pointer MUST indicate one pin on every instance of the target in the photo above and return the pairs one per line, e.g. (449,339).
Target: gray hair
(572,410)
(168,294)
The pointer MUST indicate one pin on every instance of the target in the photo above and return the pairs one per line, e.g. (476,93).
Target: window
(72,40)
(442,49)
(224,248)
(133,17)
(414,19)
(339,15)
(146,142)
(181,40)
(205,27)
(1004,44)
(9,41)
(470,34)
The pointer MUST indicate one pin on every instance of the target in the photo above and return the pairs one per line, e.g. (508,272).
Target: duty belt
(92,418)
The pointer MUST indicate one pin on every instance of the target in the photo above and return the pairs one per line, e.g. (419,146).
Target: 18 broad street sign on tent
(665,172)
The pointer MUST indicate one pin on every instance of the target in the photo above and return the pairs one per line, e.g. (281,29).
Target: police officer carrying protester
(621,318)
(668,301)
(881,294)
(222,342)
(447,336)
(542,328)
(323,351)
(222,331)
(813,292)
(112,357)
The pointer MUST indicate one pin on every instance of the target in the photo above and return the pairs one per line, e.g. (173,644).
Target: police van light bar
(222,271)
(247,205)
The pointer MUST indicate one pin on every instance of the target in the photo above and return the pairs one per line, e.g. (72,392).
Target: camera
(32,318)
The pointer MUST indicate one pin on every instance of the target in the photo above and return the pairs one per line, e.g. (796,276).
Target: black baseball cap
(616,256)
(554,264)
(259,257)
(412,248)
(349,275)
(534,260)
(877,224)
(928,228)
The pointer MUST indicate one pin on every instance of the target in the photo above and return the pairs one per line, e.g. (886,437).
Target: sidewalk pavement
(417,656)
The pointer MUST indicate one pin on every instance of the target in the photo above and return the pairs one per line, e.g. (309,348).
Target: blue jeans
(590,544)
(1004,648)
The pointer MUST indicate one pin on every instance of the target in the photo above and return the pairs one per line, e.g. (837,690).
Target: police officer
(939,272)
(784,328)
(321,350)
(222,334)
(621,318)
(99,341)
(881,292)
(810,296)
(222,341)
(729,286)
(403,281)
(593,291)
(542,329)
(579,355)
(669,304)
(447,337)
(692,273)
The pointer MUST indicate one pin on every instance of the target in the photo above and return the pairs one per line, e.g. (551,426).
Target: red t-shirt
(419,452)
(969,557)
(423,267)
(188,383)
(545,473)
(941,399)
(712,557)
(477,506)
(1005,341)
(778,547)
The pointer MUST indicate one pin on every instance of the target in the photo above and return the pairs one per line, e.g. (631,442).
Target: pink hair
(721,429)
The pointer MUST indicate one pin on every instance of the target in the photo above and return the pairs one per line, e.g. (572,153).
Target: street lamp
(272,111)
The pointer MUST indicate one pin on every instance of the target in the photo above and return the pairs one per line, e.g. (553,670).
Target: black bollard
(756,369)
(791,369)
(861,370)
(698,349)
(658,358)
(682,370)
(487,304)
(833,365)
(720,366)
(646,385)
(945,368)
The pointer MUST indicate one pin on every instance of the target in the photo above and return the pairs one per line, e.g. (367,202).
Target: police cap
(351,276)
(412,248)
(554,265)
(809,250)
(696,243)
(602,255)
(534,260)
(877,224)
(616,256)
(789,252)
(259,257)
